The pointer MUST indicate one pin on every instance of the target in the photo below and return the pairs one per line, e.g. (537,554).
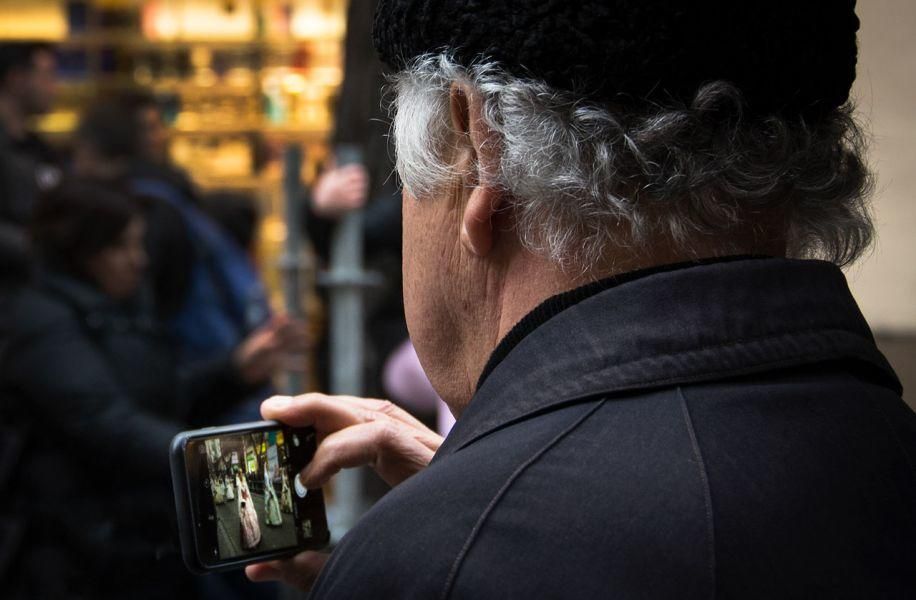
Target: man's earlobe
(478,231)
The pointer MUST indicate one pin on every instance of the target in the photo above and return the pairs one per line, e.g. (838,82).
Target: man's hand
(300,571)
(351,432)
(354,432)
(340,190)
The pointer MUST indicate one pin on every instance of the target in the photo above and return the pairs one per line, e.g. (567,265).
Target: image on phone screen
(248,497)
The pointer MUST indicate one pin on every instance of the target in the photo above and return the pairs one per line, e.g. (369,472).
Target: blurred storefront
(237,80)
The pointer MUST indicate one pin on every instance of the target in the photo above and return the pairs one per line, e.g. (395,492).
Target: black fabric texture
(554,305)
(786,56)
(726,430)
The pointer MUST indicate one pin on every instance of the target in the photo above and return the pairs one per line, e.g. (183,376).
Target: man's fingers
(354,432)
(395,452)
(300,571)
(331,413)
(351,447)
(266,571)
(384,407)
(325,413)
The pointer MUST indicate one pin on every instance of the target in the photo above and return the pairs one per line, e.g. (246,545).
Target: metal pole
(346,281)
(346,339)
(291,262)
(291,266)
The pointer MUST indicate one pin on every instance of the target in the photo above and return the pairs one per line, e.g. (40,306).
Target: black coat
(96,387)
(723,430)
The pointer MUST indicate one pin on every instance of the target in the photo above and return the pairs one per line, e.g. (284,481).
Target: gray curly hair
(576,171)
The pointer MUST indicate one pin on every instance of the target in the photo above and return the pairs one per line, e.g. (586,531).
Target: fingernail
(278,402)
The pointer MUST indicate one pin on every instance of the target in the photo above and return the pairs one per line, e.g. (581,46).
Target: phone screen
(247,497)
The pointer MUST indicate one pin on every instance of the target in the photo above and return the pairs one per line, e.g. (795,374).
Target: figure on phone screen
(274,517)
(219,492)
(286,498)
(249,529)
(230,492)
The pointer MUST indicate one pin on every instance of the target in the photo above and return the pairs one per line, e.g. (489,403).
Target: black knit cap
(786,56)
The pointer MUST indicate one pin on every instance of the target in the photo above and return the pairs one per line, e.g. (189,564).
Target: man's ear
(479,155)
(478,231)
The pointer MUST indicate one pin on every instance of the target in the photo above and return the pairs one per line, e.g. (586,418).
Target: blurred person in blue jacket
(204,284)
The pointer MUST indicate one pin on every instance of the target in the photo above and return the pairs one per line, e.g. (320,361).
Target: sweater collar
(669,326)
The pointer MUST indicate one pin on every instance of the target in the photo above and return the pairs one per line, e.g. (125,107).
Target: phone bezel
(187,517)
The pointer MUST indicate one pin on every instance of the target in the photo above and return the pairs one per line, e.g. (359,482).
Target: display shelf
(130,41)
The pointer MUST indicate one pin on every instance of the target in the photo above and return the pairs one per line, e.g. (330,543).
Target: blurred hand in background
(340,190)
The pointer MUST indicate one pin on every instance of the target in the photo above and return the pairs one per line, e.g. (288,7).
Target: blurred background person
(90,372)
(204,284)
(237,214)
(28,85)
(370,186)
(14,248)
(27,163)
(151,154)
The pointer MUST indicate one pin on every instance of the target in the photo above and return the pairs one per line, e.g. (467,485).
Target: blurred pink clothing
(407,385)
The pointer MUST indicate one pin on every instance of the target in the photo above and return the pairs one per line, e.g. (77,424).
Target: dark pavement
(272,538)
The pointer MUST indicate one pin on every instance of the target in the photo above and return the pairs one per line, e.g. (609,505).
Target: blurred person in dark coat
(27,163)
(92,375)
(28,87)
(624,226)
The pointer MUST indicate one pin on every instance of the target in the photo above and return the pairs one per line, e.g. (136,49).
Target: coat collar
(88,299)
(77,292)
(670,327)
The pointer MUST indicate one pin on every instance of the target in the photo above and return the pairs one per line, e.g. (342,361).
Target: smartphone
(239,498)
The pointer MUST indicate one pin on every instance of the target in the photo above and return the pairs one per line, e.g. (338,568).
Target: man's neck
(518,288)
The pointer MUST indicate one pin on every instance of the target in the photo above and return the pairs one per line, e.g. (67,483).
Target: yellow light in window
(199,20)
(313,20)
(274,229)
(294,83)
(160,21)
(32,20)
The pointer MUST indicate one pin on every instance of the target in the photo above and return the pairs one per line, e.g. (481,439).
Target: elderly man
(623,226)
